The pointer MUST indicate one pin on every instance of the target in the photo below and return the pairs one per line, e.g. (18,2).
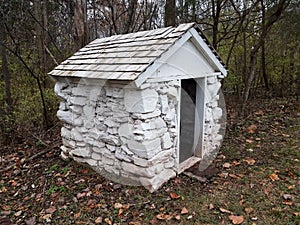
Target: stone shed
(140,108)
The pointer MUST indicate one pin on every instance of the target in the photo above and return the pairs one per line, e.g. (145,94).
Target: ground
(257,180)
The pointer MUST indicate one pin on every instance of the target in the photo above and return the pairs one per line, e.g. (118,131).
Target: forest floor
(258,180)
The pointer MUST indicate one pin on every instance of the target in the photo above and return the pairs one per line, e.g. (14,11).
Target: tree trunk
(263,55)
(5,70)
(170,13)
(80,22)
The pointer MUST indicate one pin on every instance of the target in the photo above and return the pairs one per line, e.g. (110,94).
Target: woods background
(257,39)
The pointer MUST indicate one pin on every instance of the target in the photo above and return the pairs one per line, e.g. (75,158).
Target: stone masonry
(127,134)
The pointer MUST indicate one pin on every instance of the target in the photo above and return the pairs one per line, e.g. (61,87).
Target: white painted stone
(59,85)
(144,86)
(108,160)
(76,109)
(64,149)
(156,182)
(111,148)
(140,101)
(92,162)
(64,157)
(66,133)
(164,104)
(123,157)
(170,164)
(95,133)
(151,124)
(146,149)
(76,100)
(114,92)
(112,130)
(126,130)
(140,161)
(77,121)
(166,141)
(95,92)
(145,116)
(217,113)
(96,156)
(76,135)
(137,170)
(170,115)
(111,140)
(110,123)
(98,149)
(65,116)
(173,92)
(162,156)
(80,90)
(89,111)
(81,152)
(63,106)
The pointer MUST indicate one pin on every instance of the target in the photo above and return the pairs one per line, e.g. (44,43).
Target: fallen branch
(32,157)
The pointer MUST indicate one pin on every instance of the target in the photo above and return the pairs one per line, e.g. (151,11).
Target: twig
(31,158)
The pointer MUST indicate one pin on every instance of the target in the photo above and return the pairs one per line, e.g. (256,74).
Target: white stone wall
(212,120)
(124,133)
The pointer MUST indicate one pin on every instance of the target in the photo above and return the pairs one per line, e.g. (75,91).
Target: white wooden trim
(177,165)
(210,56)
(164,57)
(188,163)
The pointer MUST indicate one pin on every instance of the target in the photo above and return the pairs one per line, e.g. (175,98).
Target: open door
(191,119)
(187,119)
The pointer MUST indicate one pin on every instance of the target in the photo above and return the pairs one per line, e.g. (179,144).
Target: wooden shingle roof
(123,57)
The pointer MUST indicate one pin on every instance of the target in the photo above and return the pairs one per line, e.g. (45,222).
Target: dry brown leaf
(118,205)
(226,165)
(108,221)
(250,161)
(18,213)
(233,176)
(225,210)
(134,223)
(99,220)
(211,206)
(249,141)
(236,219)
(177,217)
(249,210)
(296,213)
(163,216)
(77,215)
(173,195)
(252,129)
(287,202)
(274,176)
(120,212)
(51,210)
(184,211)
(80,195)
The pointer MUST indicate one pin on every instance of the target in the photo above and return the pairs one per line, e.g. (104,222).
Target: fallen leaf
(120,212)
(225,210)
(249,210)
(236,219)
(18,213)
(31,221)
(233,176)
(249,141)
(252,129)
(51,210)
(118,205)
(80,195)
(163,216)
(250,161)
(211,206)
(173,195)
(98,220)
(226,165)
(47,217)
(134,223)
(177,217)
(77,215)
(274,176)
(287,202)
(184,211)
(296,213)
(287,197)
(108,221)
